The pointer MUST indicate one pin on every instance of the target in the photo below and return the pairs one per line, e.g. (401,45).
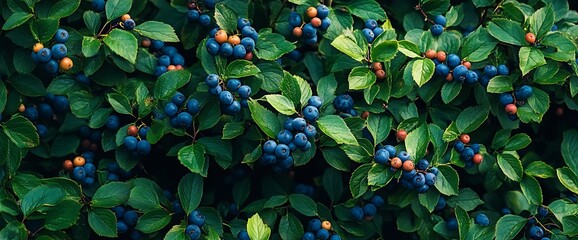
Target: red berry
(511,109)
(465,138)
(431,54)
(530,38)
(478,158)
(401,135)
(408,165)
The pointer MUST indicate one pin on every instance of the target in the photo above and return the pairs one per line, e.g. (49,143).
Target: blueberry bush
(289,119)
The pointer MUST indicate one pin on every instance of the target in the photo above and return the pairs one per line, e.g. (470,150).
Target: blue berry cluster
(84,169)
(168,57)
(115,173)
(318,21)
(491,71)
(234,46)
(510,101)
(138,146)
(195,13)
(53,58)
(368,210)
(469,152)
(296,134)
(45,111)
(344,105)
(229,104)
(126,220)
(371,30)
(451,67)
(421,178)
(196,222)
(180,111)
(319,230)
(439,24)
(535,228)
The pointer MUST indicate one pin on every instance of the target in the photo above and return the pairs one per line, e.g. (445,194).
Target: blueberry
(171,109)
(282,151)
(441,20)
(369,210)
(118,211)
(506,98)
(233,84)
(422,164)
(177,207)
(403,155)
(391,149)
(554,28)
(212,47)
(506,211)
(306,236)
(377,31)
(193,15)
(523,93)
(300,139)
(381,156)
(41,130)
(136,235)
(434,170)
(215,90)
(315,101)
(193,231)
(170,51)
(52,67)
(90,169)
(419,180)
(314,225)
(536,232)
(143,147)
(306,147)
(378,201)
(239,51)
(310,41)
(184,120)
(244,235)
(471,77)
(482,220)
(160,70)
(226,98)
(430,179)
(468,153)
(442,70)
(112,122)
(61,36)
(299,124)
(244,103)
(542,211)
(335,236)
(121,227)
(112,177)
(197,218)
(441,203)
(309,31)
(453,60)
(503,70)
(82,78)
(459,146)
(59,51)
(78,173)
(310,113)
(44,55)
(130,218)
(437,29)
(244,91)
(409,175)
(205,20)
(288,124)
(490,71)
(452,224)
(226,49)
(242,22)
(343,103)
(178,59)
(268,159)
(98,5)
(322,11)
(269,147)
(322,234)
(294,19)
(422,189)
(310,131)
(460,72)
(285,136)
(157,44)
(248,43)
(371,24)
(249,31)
(129,24)
(326,22)
(475,147)
(212,80)
(368,34)
(193,106)
(31,113)
(356,213)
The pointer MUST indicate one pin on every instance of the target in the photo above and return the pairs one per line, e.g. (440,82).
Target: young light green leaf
(422,71)
(257,229)
(281,103)
(530,58)
(265,119)
(361,78)
(122,42)
(334,127)
(225,18)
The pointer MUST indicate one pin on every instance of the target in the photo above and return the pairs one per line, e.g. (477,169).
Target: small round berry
(65,64)
(67,165)
(477,159)
(437,29)
(125,17)
(297,32)
(401,135)
(482,220)
(61,36)
(511,109)
(234,40)
(408,165)
(441,20)
(530,38)
(441,56)
(322,11)
(37,47)
(311,12)
(326,225)
(78,161)
(465,138)
(396,163)
(129,24)
(431,54)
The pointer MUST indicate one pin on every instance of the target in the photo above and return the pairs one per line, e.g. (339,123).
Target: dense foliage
(293,119)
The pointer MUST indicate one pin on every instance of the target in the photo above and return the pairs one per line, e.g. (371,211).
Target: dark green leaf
(102,221)
(21,132)
(157,30)
(193,157)
(153,221)
(116,8)
(168,83)
(122,42)
(111,194)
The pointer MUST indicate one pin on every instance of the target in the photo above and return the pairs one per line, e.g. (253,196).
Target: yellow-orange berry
(65,64)
(37,47)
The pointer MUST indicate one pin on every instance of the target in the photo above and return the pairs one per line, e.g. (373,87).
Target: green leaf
(500,84)
(144,196)
(153,220)
(226,18)
(422,70)
(63,215)
(241,68)
(559,41)
(209,116)
(463,221)
(531,189)
(409,49)
(358,182)
(63,8)
(193,157)
(102,221)
(16,19)
(384,51)
(379,126)
(64,144)
(190,191)
(507,31)
(265,119)
(28,85)
(478,45)
(90,46)
(220,149)
(347,44)
(122,42)
(569,150)
(429,199)
(471,118)
(92,21)
(509,226)
(541,21)
(380,175)
(511,166)
(333,184)
(361,78)
(467,199)
(290,228)
(157,30)
(177,232)
(447,180)
(257,229)
(303,204)
(111,194)
(119,103)
(281,103)
(334,127)
(116,8)
(168,83)
(21,132)
(43,28)
(518,142)
(233,129)
(417,141)
(540,169)
(98,119)
(530,58)
(290,88)
(568,179)
(39,197)
(366,9)
(271,46)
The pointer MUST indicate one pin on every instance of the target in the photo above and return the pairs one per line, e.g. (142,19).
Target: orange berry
(511,109)
(431,54)
(449,77)
(132,130)
(365,115)
(465,138)
(326,225)
(37,47)
(530,38)
(125,17)
(396,162)
(78,161)
(311,12)
(221,36)
(21,108)
(171,68)
(65,64)
(478,158)
(249,56)
(179,67)
(297,31)
(377,66)
(441,56)
(316,22)
(67,165)
(408,165)
(145,42)
(234,40)
(467,64)
(380,74)
(401,135)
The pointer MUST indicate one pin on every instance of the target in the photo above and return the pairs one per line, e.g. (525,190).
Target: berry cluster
(318,20)
(81,168)
(196,221)
(44,111)
(237,46)
(491,71)
(439,24)
(470,153)
(115,173)
(368,211)
(180,111)
(452,67)
(510,101)
(419,177)
(168,57)
(319,230)
(296,134)
(229,105)
(371,30)
(126,221)
(136,142)
(90,138)
(195,13)
(54,58)
(126,22)
(344,104)
(536,228)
